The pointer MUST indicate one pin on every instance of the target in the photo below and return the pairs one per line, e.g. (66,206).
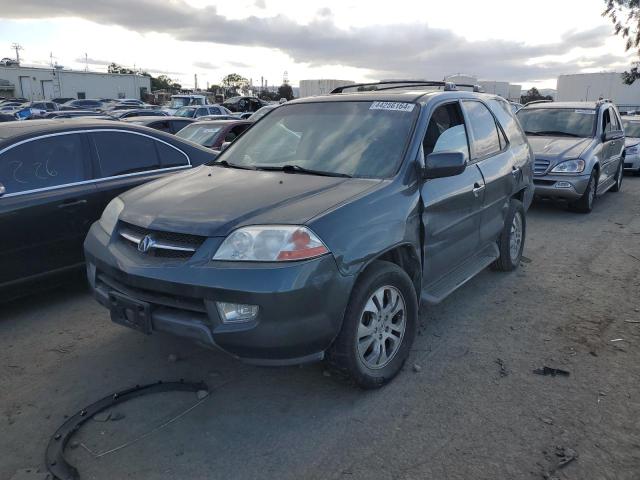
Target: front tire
(585,203)
(511,241)
(379,326)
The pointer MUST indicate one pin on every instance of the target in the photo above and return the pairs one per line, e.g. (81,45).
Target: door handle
(477,189)
(72,203)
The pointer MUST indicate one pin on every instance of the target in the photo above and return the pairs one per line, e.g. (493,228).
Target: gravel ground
(466,406)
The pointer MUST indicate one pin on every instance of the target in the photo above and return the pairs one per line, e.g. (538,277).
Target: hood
(558,148)
(631,141)
(213,201)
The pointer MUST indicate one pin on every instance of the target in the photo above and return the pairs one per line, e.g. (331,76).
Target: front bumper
(570,187)
(632,163)
(301,304)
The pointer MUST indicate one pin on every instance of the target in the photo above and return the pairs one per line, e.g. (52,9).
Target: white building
(592,86)
(504,89)
(36,83)
(310,88)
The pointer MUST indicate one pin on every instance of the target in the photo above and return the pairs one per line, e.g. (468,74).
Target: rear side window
(44,162)
(484,132)
(607,126)
(201,112)
(170,157)
(446,131)
(162,126)
(614,119)
(120,153)
(214,111)
(504,113)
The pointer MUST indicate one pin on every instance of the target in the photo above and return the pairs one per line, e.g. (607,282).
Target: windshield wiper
(224,163)
(554,132)
(299,169)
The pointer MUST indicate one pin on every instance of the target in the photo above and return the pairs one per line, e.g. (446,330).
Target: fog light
(236,312)
(563,185)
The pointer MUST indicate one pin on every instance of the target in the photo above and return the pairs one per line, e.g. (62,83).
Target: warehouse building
(593,86)
(310,88)
(36,83)
(506,90)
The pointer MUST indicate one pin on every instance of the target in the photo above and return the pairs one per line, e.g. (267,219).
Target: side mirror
(3,190)
(224,146)
(444,164)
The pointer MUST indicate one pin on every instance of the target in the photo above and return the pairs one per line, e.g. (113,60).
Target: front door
(451,205)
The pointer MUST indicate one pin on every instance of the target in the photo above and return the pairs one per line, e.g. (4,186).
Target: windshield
(186,112)
(204,135)
(572,122)
(261,113)
(364,139)
(177,102)
(631,128)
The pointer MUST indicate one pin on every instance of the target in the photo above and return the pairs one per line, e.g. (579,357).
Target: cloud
(260,4)
(93,61)
(413,50)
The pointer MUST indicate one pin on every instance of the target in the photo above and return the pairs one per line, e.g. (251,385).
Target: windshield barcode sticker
(586,112)
(395,106)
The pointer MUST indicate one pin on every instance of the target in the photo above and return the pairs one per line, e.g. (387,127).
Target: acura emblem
(146,244)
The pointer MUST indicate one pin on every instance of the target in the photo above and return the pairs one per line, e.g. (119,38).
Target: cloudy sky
(530,42)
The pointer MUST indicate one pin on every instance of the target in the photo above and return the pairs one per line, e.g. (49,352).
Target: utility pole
(195,81)
(86,62)
(17,47)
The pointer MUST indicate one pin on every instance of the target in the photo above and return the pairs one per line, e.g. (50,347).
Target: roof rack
(537,101)
(603,100)
(394,84)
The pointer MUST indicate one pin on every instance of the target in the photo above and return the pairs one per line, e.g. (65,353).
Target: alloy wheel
(382,326)
(515,239)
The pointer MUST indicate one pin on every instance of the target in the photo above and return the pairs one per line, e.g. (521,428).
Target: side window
(484,132)
(214,111)
(201,112)
(606,121)
(504,113)
(446,131)
(120,153)
(179,125)
(614,119)
(170,157)
(41,163)
(162,126)
(234,132)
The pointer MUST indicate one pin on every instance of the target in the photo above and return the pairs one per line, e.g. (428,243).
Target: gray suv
(579,149)
(319,230)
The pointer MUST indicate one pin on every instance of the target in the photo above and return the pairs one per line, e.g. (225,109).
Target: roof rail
(603,100)
(537,101)
(448,86)
(476,88)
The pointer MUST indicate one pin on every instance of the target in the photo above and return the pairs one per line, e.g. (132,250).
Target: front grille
(540,167)
(162,244)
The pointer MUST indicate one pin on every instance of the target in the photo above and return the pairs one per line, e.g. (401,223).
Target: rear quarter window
(502,110)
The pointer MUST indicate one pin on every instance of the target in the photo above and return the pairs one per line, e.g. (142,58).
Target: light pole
(587,96)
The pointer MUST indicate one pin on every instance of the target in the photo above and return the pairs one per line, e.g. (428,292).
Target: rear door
(489,149)
(606,160)
(47,207)
(451,205)
(126,159)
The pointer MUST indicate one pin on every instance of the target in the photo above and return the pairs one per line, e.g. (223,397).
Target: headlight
(271,243)
(110,215)
(570,166)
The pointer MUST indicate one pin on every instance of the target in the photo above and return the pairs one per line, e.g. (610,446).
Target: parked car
(56,176)
(515,106)
(212,134)
(18,100)
(217,117)
(631,127)
(85,104)
(201,111)
(164,124)
(136,112)
(254,117)
(579,149)
(61,100)
(317,233)
(244,104)
(36,109)
(5,117)
(75,113)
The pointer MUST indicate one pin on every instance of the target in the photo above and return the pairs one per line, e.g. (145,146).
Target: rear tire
(511,241)
(619,175)
(585,203)
(379,327)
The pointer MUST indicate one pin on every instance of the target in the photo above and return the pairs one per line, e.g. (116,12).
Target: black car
(136,112)
(164,124)
(61,100)
(85,104)
(244,104)
(318,232)
(56,176)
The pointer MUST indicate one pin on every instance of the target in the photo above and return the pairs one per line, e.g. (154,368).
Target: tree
(285,91)
(625,16)
(532,95)
(163,82)
(115,68)
(235,83)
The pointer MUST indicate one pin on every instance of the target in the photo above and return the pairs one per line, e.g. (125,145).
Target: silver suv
(578,147)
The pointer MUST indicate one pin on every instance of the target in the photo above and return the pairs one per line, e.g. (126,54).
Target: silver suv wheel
(515,240)
(381,328)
